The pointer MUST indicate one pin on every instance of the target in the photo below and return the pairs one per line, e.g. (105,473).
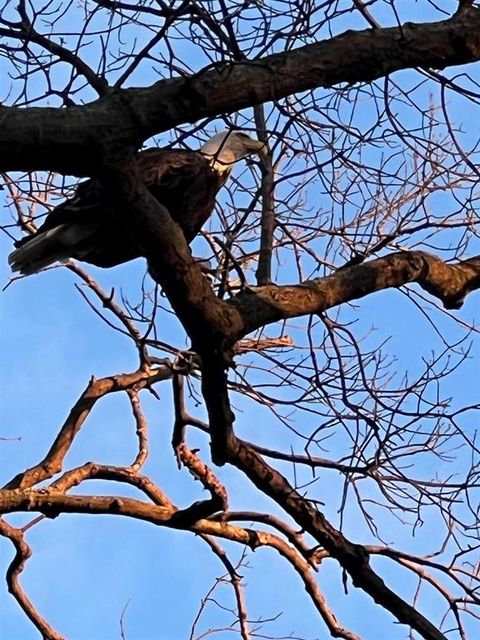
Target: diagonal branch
(78,138)
(23,552)
(352,557)
(96,389)
(54,503)
(450,283)
(212,323)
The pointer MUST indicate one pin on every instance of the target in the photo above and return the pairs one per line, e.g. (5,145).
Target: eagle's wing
(184,182)
(87,227)
(83,207)
(169,169)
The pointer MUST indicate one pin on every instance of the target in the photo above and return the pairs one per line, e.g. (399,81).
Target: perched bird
(86,227)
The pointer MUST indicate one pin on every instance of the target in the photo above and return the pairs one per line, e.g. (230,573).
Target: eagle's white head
(226,147)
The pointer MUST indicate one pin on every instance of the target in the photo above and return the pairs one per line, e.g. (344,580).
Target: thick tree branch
(211,324)
(73,140)
(208,321)
(55,503)
(352,557)
(98,139)
(259,306)
(214,325)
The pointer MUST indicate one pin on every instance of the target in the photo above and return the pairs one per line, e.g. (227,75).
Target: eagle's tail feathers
(45,248)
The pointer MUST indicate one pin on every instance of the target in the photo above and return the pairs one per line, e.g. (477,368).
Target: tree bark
(78,139)
(450,283)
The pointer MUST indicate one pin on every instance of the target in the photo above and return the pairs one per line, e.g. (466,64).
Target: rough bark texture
(352,557)
(215,325)
(207,320)
(70,140)
(449,283)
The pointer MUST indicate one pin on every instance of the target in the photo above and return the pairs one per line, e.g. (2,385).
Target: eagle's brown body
(86,227)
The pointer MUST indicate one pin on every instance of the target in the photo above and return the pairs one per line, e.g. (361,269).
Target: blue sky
(85,570)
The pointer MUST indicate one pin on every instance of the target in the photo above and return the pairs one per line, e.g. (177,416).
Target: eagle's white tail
(43,249)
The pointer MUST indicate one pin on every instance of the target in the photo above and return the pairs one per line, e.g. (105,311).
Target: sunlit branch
(23,552)
(96,389)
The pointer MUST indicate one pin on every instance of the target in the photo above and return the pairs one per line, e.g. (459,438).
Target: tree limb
(23,552)
(77,139)
(352,557)
(97,388)
(450,283)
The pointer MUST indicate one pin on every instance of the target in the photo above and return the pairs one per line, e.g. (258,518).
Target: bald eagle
(86,227)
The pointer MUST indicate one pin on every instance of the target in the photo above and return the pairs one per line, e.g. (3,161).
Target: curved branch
(53,503)
(23,552)
(96,389)
(352,557)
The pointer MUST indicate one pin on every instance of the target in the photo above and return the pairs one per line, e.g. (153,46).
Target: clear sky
(86,569)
